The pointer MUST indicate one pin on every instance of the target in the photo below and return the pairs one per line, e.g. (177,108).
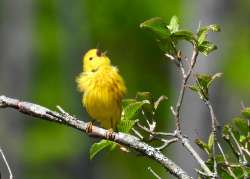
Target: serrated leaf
(246,112)
(125,125)
(174,24)
(183,35)
(202,33)
(206,47)
(203,145)
(99,146)
(158,26)
(132,109)
(210,141)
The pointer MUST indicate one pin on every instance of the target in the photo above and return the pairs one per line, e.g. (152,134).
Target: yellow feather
(103,89)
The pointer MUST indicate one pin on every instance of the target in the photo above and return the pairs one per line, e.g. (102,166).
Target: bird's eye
(91,58)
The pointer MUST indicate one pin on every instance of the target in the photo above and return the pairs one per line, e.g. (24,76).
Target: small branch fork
(127,140)
(6,163)
(176,111)
(185,77)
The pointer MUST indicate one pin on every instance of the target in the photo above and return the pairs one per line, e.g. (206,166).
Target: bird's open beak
(98,52)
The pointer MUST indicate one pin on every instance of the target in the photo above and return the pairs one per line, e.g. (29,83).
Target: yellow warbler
(103,88)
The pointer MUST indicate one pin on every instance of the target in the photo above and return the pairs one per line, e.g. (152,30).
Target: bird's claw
(89,127)
(110,134)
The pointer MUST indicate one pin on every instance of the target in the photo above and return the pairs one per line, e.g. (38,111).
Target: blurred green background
(41,49)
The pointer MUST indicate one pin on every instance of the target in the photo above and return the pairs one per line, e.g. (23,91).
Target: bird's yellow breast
(103,91)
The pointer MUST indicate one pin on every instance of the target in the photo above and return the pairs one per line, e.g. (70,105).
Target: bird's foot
(89,127)
(110,134)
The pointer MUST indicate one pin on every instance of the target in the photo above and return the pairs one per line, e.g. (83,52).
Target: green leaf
(243,138)
(203,79)
(202,33)
(99,146)
(202,145)
(126,102)
(210,141)
(225,132)
(132,109)
(125,125)
(158,26)
(240,125)
(203,82)
(216,75)
(184,35)
(140,96)
(166,45)
(246,112)
(174,24)
(206,47)
(194,88)
(148,108)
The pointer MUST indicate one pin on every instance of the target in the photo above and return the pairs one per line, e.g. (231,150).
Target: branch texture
(121,138)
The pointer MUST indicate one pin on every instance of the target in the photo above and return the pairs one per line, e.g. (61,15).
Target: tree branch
(214,131)
(185,78)
(121,138)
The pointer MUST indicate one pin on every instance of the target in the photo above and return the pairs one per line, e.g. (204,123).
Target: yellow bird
(103,89)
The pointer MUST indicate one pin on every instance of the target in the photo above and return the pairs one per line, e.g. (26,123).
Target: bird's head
(94,59)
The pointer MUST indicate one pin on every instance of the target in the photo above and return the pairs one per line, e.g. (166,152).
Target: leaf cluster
(132,111)
(168,34)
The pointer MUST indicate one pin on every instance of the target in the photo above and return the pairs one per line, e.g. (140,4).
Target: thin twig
(6,163)
(226,161)
(243,160)
(234,150)
(186,143)
(214,131)
(144,128)
(246,151)
(154,173)
(183,87)
(166,143)
(159,100)
(118,137)
(176,111)
(62,110)
(137,133)
(202,173)
(242,157)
